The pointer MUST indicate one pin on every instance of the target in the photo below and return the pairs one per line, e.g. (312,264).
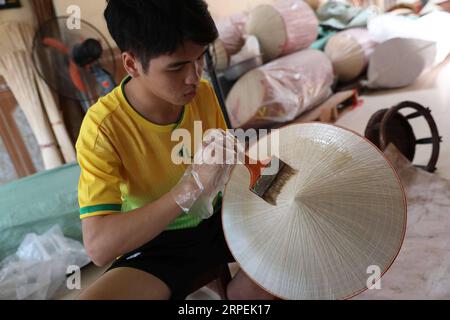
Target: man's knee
(95,293)
(87,295)
(233,293)
(247,291)
(126,284)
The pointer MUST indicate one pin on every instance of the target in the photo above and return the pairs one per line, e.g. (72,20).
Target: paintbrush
(268,186)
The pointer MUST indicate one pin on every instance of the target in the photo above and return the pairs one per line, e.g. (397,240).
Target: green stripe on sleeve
(101,207)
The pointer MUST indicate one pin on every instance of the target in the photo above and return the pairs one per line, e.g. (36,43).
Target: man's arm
(109,236)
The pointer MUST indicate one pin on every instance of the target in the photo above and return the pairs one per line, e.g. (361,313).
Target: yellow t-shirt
(126,160)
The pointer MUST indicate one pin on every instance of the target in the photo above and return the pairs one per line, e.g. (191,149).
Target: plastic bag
(399,62)
(432,27)
(38,268)
(231,32)
(280,90)
(27,208)
(283,27)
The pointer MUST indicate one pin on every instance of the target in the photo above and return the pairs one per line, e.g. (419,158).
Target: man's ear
(131,64)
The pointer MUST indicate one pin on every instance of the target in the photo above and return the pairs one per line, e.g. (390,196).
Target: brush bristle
(283,176)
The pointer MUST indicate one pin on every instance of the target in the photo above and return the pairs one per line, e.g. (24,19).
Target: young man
(135,202)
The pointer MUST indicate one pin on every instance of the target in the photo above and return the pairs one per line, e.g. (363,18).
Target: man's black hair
(150,28)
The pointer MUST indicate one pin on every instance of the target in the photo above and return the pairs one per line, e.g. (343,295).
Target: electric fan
(76,63)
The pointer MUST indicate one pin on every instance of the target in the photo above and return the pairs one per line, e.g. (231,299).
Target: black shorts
(179,257)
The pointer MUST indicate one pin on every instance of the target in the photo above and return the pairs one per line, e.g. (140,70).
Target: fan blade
(76,77)
(58,45)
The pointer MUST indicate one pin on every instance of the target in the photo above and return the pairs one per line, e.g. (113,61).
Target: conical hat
(349,51)
(282,28)
(339,221)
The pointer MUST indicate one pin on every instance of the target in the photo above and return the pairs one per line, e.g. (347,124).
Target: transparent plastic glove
(208,174)
(203,207)
(188,190)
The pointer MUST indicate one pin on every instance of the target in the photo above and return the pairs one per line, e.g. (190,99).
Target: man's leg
(243,288)
(126,284)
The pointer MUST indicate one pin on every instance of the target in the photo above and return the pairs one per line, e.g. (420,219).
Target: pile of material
(349,51)
(231,39)
(365,48)
(280,90)
(282,28)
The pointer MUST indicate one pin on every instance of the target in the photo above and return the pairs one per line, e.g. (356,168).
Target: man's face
(175,78)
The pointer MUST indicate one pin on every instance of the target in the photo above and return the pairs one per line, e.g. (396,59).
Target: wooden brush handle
(254,168)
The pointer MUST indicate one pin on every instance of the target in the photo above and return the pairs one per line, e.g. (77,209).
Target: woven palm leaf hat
(341,219)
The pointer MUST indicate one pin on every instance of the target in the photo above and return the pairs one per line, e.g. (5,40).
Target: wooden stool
(390,126)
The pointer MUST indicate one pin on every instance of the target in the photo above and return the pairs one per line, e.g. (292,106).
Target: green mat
(324,35)
(36,203)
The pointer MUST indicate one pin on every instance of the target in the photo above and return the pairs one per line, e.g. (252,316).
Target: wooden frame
(43,10)
(11,135)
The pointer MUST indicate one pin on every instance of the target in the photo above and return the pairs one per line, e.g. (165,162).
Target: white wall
(92,10)
(224,8)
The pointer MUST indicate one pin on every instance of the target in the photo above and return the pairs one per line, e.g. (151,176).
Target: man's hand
(207,176)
